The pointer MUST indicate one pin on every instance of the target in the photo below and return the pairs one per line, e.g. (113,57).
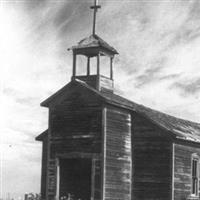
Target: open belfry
(101,146)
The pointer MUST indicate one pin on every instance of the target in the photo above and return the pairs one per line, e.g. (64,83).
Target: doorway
(75,178)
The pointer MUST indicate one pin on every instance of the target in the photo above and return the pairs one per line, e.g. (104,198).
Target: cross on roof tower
(95,7)
(94,47)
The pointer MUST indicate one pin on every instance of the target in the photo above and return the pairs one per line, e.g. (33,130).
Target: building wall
(182,170)
(117,154)
(75,131)
(152,160)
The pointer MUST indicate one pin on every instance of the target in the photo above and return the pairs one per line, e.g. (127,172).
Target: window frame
(195,157)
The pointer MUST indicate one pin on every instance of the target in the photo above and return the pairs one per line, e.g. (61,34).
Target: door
(75,178)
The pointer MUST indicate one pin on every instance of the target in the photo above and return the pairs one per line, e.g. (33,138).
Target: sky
(158,66)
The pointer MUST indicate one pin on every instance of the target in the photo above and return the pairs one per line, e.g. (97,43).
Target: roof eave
(99,48)
(41,136)
(47,101)
(184,141)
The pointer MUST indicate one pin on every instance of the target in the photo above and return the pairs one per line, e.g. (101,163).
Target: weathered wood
(129,163)
(97,179)
(74,65)
(44,167)
(117,154)
(98,64)
(183,170)
(152,161)
(51,177)
(75,128)
(88,66)
(106,83)
(57,178)
(111,68)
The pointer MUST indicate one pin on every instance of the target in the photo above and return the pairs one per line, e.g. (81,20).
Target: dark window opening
(195,178)
(75,178)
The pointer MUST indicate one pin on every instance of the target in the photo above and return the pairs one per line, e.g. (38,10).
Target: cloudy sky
(158,66)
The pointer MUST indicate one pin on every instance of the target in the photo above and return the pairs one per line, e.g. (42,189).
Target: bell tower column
(88,66)
(94,47)
(111,68)
(74,65)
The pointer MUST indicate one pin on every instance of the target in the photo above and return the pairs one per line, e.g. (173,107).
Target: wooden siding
(76,131)
(74,127)
(97,166)
(90,80)
(151,160)
(44,168)
(51,180)
(117,154)
(182,170)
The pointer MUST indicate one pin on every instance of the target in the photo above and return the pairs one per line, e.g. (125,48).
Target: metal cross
(95,7)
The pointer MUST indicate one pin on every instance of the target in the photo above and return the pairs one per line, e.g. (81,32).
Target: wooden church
(101,146)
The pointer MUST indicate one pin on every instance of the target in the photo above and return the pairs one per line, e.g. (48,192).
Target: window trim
(195,157)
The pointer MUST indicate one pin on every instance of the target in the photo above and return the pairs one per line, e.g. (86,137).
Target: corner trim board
(57,178)
(104,149)
(173,167)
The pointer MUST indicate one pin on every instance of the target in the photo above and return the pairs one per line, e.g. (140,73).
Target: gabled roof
(94,41)
(41,136)
(180,128)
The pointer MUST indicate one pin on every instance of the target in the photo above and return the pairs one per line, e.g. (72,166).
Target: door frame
(76,155)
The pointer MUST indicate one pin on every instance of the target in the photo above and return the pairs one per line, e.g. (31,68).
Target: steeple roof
(93,46)
(94,41)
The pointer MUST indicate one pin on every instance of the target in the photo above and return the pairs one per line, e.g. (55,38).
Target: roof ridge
(137,104)
(180,128)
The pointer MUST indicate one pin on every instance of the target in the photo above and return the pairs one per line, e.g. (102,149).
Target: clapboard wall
(152,160)
(117,154)
(44,166)
(74,131)
(183,170)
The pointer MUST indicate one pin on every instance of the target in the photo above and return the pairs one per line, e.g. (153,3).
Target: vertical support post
(74,65)
(98,87)
(98,64)
(57,179)
(111,68)
(88,66)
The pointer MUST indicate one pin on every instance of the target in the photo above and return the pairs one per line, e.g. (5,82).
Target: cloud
(159,47)
(151,74)
(148,76)
(188,87)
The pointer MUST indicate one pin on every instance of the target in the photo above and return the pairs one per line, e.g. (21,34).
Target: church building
(101,146)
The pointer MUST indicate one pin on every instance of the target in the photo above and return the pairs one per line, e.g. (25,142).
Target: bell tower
(94,47)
